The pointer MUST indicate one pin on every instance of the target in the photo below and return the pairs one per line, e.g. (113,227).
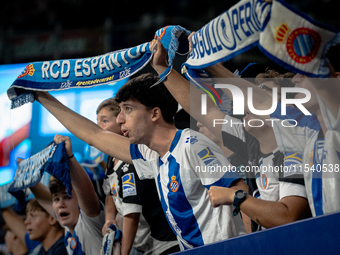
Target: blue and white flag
(233,32)
(6,199)
(88,72)
(286,35)
(52,160)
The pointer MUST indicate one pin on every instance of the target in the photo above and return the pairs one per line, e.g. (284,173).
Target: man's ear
(156,114)
(52,220)
(337,75)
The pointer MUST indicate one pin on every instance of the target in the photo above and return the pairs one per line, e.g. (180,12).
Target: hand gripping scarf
(52,159)
(284,34)
(111,241)
(88,72)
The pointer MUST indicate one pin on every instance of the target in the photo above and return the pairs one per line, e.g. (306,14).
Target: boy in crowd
(82,214)
(145,227)
(40,227)
(158,150)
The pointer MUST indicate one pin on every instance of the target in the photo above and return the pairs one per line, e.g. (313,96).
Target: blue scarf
(91,163)
(88,72)
(21,196)
(52,160)
(284,34)
(6,199)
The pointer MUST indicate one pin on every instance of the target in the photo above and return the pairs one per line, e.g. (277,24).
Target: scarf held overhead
(286,35)
(52,160)
(89,72)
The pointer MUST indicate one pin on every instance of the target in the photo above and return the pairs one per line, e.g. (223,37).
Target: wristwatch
(239,197)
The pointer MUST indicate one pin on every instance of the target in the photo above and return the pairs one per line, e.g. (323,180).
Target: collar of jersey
(175,140)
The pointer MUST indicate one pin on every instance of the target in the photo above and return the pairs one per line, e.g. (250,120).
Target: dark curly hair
(141,89)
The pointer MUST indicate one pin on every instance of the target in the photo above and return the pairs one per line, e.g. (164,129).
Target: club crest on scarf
(302,44)
(73,243)
(29,70)
(284,34)
(296,41)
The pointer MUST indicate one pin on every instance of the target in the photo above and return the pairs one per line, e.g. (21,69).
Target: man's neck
(322,122)
(267,140)
(51,238)
(162,139)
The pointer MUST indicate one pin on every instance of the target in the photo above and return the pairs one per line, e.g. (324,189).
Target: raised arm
(43,196)
(15,223)
(81,183)
(110,143)
(186,94)
(110,213)
(180,88)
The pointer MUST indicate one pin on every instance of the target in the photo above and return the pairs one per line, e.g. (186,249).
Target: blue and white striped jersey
(183,177)
(321,154)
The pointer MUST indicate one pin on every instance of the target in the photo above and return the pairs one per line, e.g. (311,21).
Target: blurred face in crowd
(37,224)
(252,124)
(268,88)
(302,81)
(66,209)
(106,119)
